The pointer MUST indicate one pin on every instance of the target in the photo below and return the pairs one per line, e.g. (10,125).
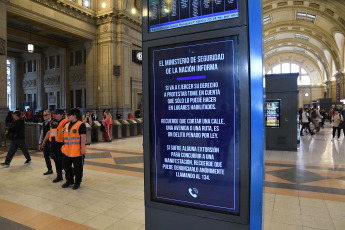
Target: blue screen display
(194,124)
(169,14)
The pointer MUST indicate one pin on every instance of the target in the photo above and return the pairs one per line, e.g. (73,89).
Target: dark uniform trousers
(46,154)
(15,144)
(56,155)
(77,169)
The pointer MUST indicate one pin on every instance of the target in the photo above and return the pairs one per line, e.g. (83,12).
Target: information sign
(272,113)
(169,14)
(194,106)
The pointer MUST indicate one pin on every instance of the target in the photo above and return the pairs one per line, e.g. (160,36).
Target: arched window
(303,78)
(87,3)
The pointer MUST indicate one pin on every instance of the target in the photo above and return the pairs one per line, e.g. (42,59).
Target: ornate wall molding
(28,83)
(77,77)
(52,80)
(70,8)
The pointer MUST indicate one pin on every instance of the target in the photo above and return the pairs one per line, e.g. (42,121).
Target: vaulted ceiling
(310,34)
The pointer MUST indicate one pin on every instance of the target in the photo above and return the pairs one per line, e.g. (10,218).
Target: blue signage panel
(194,106)
(169,14)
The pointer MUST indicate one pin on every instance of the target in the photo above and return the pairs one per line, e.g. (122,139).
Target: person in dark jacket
(16,133)
(46,149)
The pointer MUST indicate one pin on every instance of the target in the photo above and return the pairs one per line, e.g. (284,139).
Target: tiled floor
(303,189)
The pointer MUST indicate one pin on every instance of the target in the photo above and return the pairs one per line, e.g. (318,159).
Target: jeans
(335,129)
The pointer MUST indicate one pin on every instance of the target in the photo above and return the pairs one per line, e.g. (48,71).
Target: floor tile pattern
(304,189)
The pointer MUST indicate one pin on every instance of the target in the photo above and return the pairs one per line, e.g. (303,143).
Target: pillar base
(3,114)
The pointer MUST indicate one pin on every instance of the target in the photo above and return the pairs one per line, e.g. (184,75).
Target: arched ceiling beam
(309,55)
(282,56)
(332,10)
(307,29)
(299,43)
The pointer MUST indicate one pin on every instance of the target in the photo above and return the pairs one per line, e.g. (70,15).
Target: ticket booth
(204,129)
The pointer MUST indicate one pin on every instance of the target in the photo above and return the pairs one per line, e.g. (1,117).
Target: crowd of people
(318,117)
(62,138)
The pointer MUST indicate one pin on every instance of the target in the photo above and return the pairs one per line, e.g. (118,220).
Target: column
(64,79)
(124,59)
(106,91)
(40,82)
(18,85)
(92,101)
(3,64)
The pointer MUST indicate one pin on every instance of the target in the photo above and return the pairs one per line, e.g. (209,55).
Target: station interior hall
(62,54)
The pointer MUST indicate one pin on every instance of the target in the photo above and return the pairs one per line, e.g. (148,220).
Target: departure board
(169,14)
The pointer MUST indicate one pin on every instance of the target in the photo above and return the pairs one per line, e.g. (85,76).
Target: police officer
(46,149)
(74,149)
(55,137)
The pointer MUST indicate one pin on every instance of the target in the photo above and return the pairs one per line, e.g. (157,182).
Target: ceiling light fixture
(104,5)
(31,46)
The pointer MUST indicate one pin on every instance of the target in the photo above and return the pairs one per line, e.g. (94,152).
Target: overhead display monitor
(194,123)
(272,113)
(169,14)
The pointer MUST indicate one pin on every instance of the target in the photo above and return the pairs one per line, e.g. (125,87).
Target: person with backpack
(337,119)
(315,116)
(305,122)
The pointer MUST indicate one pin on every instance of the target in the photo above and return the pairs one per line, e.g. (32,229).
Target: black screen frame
(241,20)
(244,127)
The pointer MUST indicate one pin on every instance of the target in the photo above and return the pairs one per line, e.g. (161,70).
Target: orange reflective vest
(57,132)
(72,141)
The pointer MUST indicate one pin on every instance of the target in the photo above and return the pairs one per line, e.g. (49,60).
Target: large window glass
(8,84)
(286,68)
(276,69)
(78,57)
(303,79)
(52,62)
(87,3)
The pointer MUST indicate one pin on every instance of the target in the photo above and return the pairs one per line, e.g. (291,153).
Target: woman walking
(337,119)
(107,122)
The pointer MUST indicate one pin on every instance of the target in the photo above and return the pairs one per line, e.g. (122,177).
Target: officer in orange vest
(74,149)
(55,137)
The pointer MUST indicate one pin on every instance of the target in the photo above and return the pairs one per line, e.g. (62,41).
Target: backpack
(314,114)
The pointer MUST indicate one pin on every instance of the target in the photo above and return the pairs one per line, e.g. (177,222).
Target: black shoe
(57,179)
(301,134)
(48,172)
(312,134)
(76,186)
(66,184)
(27,161)
(5,164)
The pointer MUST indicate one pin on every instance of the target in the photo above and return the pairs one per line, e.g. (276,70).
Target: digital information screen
(272,113)
(169,14)
(194,106)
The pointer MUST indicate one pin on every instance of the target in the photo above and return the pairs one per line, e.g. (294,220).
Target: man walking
(305,122)
(16,133)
